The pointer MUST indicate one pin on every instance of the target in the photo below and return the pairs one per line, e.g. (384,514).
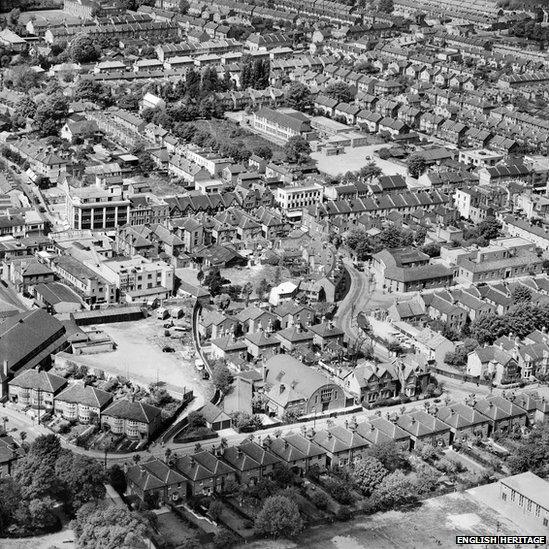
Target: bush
(339,490)
(320,499)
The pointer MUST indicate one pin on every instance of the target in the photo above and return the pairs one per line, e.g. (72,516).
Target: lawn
(433,524)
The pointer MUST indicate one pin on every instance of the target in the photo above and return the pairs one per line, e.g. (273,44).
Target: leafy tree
(459,356)
(117,478)
(83,479)
(416,165)
(320,499)
(196,421)
(339,490)
(96,92)
(532,454)
(184,7)
(368,473)
(263,288)
(23,78)
(224,538)
(246,422)
(51,114)
(83,49)
(297,149)
(522,294)
(263,151)
(395,489)
(222,301)
(26,108)
(298,96)
(432,249)
(279,516)
(107,527)
(214,281)
(340,92)
(222,377)
(489,228)
(391,456)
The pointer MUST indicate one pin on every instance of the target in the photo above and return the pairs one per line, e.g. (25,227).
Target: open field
(435,523)
(139,356)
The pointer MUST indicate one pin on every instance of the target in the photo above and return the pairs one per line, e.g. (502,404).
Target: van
(199,364)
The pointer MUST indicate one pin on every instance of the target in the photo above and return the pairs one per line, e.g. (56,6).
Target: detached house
(134,419)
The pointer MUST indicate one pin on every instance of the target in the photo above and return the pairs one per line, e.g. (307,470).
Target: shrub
(320,499)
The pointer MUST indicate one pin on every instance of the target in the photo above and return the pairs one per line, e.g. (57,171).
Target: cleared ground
(139,356)
(354,159)
(433,524)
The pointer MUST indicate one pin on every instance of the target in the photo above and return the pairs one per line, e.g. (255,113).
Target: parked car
(168,349)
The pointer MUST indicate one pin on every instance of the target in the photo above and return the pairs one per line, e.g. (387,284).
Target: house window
(545,522)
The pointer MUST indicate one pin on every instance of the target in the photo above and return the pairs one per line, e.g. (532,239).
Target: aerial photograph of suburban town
(274,274)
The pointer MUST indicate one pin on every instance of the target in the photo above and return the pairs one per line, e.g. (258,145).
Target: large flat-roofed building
(294,198)
(97,209)
(529,493)
(281,124)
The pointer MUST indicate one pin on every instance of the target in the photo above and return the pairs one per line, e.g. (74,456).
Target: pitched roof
(43,381)
(134,411)
(85,395)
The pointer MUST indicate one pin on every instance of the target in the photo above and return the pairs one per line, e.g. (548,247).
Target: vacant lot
(139,356)
(354,159)
(434,524)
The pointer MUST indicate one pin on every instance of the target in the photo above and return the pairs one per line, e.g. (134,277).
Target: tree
(117,478)
(391,456)
(51,114)
(368,472)
(184,7)
(532,454)
(107,527)
(298,96)
(340,92)
(214,281)
(522,294)
(263,151)
(246,291)
(395,489)
(23,78)
(416,165)
(246,422)
(459,356)
(222,301)
(225,539)
(83,479)
(196,421)
(489,229)
(297,149)
(279,516)
(320,499)
(263,288)
(222,377)
(96,92)
(83,49)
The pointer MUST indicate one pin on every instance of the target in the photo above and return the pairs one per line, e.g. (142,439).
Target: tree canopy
(279,516)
